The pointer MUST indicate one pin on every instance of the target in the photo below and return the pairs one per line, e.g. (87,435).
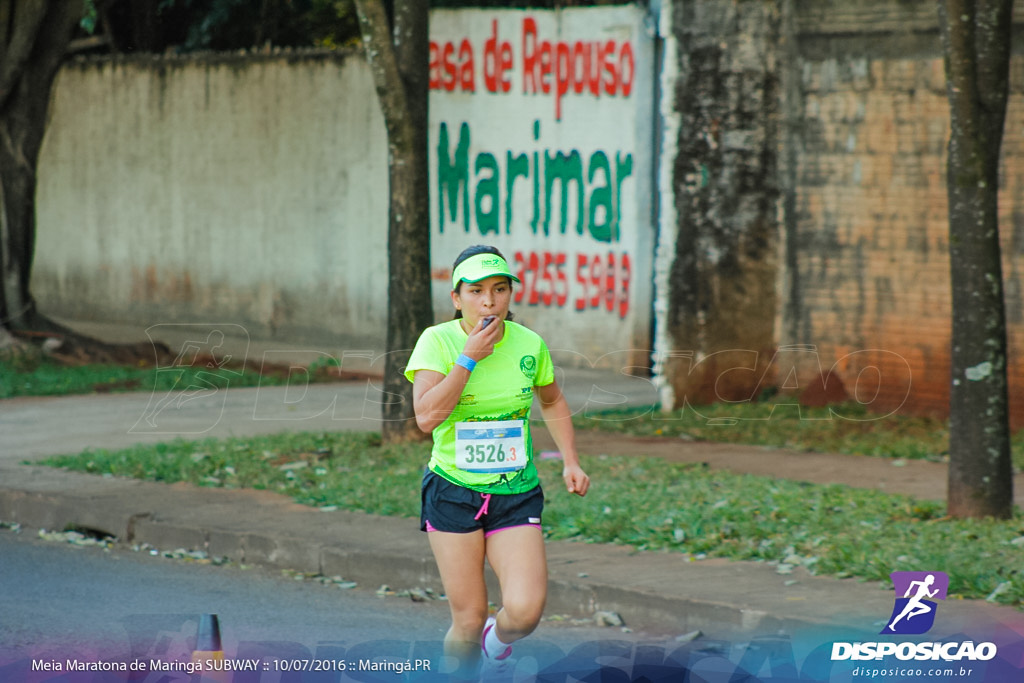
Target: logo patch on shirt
(528,364)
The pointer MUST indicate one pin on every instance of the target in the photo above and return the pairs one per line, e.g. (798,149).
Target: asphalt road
(59,602)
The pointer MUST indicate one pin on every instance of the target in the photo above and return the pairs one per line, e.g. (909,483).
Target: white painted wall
(224,189)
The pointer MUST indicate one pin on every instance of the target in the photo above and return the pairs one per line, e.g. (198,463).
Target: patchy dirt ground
(916,478)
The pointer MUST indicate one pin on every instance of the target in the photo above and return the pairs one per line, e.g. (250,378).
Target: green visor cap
(480,267)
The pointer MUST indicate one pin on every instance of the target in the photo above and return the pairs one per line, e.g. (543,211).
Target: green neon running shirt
(499,388)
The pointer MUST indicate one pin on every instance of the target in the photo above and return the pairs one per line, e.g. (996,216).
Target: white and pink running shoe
(494,666)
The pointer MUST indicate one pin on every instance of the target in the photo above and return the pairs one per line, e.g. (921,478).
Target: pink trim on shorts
(514,526)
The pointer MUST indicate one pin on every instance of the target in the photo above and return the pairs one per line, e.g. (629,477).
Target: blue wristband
(466,362)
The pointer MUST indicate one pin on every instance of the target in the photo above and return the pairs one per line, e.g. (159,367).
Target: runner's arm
(558,419)
(435,395)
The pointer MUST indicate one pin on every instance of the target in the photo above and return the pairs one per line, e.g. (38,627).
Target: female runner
(474,380)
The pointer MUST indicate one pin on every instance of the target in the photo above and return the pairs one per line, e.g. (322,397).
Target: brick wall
(868,237)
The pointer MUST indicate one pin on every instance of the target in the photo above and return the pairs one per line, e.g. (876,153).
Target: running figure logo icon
(914,612)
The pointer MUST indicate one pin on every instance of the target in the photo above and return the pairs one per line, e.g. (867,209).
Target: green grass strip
(646,503)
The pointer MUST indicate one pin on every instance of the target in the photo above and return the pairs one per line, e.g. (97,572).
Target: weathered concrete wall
(249,190)
(717,260)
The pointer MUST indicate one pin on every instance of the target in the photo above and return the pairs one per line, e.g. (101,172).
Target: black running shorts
(453,508)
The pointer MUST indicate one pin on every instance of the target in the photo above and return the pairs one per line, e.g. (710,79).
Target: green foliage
(91,16)
(242,24)
(348,469)
(646,503)
(323,363)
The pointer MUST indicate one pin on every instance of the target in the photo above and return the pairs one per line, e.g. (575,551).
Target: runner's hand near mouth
(481,341)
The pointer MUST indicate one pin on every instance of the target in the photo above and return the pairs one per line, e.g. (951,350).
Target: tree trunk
(399,64)
(34,39)
(34,36)
(976,39)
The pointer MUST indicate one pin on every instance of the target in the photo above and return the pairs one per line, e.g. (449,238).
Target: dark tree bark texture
(34,40)
(976,39)
(397,50)
(34,35)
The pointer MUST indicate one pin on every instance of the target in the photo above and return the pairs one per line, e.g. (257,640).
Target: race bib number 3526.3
(490,447)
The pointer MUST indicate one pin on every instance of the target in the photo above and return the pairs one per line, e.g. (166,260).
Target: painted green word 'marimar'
(598,192)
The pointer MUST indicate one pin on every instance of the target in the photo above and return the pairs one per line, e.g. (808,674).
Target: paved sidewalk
(659,592)
(37,427)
